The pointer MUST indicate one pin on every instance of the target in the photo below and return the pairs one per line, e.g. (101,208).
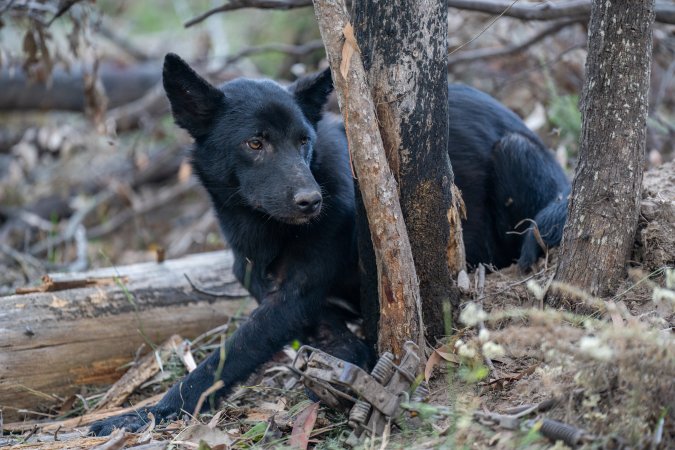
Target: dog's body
(279,178)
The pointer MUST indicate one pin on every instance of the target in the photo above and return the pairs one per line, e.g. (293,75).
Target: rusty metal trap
(374,398)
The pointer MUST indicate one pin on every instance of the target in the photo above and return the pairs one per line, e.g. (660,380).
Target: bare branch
(526,11)
(6,7)
(665,10)
(122,42)
(487,53)
(163,197)
(288,49)
(241,4)
(132,114)
(63,8)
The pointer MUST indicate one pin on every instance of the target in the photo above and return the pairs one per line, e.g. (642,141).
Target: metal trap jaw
(373,398)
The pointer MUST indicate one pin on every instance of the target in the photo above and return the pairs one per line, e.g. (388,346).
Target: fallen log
(66,89)
(54,341)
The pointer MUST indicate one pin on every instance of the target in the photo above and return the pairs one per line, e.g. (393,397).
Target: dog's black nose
(307,201)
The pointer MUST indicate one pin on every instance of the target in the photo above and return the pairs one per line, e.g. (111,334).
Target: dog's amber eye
(254,144)
(304,140)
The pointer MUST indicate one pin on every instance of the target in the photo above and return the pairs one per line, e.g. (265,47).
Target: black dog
(279,178)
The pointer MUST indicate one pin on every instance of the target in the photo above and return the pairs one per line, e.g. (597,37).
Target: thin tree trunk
(400,311)
(605,199)
(404,49)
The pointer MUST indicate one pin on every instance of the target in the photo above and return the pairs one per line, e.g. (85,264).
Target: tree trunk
(404,49)
(605,199)
(400,311)
(53,342)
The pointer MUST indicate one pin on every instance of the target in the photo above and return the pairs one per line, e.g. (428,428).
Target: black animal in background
(277,172)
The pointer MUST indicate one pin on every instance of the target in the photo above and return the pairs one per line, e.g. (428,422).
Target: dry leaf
(303,426)
(537,118)
(449,357)
(199,432)
(95,99)
(30,48)
(146,435)
(502,382)
(117,441)
(269,406)
(47,62)
(215,419)
(436,357)
(258,415)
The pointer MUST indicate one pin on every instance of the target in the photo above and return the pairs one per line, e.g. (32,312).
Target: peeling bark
(605,200)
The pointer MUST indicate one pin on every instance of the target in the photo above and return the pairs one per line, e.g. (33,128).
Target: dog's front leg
(282,316)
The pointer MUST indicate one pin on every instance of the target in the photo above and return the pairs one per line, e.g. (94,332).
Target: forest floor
(511,368)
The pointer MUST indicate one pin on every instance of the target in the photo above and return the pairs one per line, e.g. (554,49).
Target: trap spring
(374,398)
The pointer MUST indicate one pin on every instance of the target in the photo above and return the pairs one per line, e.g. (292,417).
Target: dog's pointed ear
(194,101)
(311,93)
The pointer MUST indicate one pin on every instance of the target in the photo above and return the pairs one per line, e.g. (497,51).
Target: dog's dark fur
(279,178)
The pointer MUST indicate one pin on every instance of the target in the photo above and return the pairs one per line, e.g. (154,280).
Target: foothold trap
(373,398)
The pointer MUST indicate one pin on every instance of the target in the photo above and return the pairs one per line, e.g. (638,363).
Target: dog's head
(253,138)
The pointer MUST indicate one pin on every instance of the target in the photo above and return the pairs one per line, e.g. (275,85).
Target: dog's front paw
(130,422)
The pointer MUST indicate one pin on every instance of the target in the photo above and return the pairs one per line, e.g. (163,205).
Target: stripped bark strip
(398,290)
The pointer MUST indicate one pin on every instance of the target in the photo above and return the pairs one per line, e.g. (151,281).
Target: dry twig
(665,10)
(288,49)
(162,198)
(488,53)
(241,4)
